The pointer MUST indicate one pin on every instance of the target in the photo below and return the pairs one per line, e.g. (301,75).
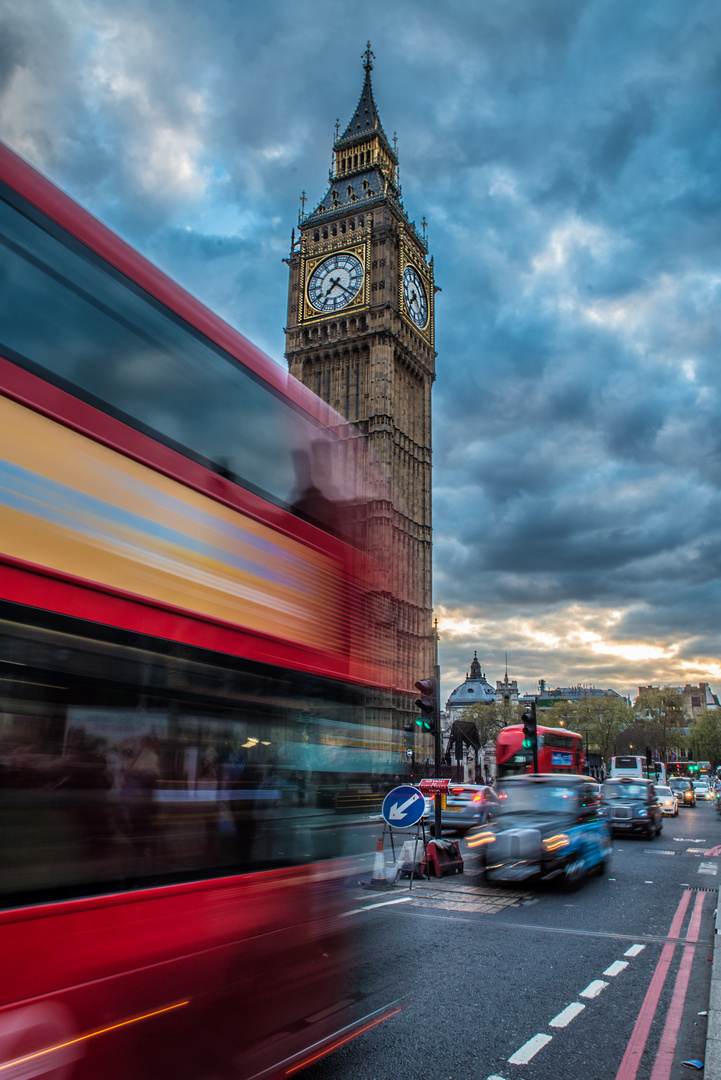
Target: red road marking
(680,915)
(639,1037)
(667,1048)
(713,850)
(695,922)
(637,1042)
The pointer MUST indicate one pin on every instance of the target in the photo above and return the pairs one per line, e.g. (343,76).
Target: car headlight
(553,843)
(642,813)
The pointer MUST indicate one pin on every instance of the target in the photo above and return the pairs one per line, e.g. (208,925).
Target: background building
(696,699)
(474,690)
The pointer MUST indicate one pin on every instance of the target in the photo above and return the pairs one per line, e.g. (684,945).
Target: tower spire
(368,58)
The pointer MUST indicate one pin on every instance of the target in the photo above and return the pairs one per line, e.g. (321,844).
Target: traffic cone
(378,878)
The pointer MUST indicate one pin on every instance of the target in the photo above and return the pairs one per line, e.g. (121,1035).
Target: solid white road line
(616,967)
(564,1018)
(529,1049)
(383,903)
(634,950)
(594,989)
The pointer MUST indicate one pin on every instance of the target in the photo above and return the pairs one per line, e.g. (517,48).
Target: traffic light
(409,728)
(427,705)
(530,729)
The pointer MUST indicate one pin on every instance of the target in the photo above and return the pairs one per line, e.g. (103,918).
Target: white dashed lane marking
(569,1013)
(564,1018)
(708,868)
(529,1049)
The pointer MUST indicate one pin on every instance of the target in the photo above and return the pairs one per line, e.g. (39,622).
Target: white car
(703,791)
(667,799)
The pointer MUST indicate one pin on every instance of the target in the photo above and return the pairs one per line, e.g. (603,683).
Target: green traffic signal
(527,744)
(424,725)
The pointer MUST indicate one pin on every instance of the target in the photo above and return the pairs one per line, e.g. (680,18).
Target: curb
(712,1056)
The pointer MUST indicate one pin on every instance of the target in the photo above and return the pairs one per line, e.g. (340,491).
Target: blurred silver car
(468,805)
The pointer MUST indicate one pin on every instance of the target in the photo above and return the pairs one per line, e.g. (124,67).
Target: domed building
(475,690)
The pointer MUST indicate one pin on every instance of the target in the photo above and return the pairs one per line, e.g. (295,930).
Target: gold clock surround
(408,258)
(313,259)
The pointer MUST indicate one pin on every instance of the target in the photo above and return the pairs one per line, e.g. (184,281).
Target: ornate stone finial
(368,58)
(337,129)
(301,212)
(424,226)
(395,143)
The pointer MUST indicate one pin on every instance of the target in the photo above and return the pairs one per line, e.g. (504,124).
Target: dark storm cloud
(566,156)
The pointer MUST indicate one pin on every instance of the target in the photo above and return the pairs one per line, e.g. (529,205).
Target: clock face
(335,282)
(415,297)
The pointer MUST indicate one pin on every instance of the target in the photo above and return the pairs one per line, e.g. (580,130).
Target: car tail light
(456,791)
(477,798)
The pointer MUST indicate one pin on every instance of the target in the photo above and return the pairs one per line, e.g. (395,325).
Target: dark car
(467,805)
(631,805)
(683,789)
(549,826)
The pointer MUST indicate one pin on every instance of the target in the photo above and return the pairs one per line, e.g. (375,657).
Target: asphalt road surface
(484,983)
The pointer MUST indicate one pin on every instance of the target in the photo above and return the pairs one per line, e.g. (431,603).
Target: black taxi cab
(548,826)
(632,805)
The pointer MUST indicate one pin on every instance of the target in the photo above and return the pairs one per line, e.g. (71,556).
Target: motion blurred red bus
(559,751)
(188,658)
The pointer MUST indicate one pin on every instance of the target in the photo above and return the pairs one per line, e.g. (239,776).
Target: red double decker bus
(188,660)
(559,751)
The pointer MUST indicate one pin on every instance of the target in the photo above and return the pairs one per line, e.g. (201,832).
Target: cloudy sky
(567,157)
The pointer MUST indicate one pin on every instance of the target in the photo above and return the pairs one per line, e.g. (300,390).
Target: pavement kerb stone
(712,1056)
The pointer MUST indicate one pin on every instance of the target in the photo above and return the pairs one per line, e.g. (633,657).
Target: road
(608,981)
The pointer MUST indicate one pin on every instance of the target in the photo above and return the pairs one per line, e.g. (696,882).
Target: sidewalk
(712,1057)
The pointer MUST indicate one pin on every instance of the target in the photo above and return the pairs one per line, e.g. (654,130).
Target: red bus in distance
(559,751)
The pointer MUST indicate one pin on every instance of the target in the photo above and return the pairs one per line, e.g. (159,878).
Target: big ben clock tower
(360,334)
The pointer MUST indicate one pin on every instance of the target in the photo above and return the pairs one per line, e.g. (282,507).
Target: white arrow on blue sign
(403,806)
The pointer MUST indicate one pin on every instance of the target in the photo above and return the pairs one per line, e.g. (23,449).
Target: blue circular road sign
(403,806)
